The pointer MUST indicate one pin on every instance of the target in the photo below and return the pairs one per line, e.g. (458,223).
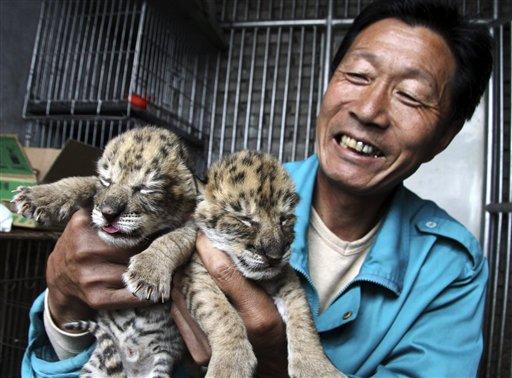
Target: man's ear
(452,129)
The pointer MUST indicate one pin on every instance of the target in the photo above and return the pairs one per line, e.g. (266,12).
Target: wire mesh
(120,58)
(21,280)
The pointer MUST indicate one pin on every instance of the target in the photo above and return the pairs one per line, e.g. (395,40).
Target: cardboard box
(30,166)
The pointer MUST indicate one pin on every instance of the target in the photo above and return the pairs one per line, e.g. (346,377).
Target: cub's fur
(144,191)
(247,210)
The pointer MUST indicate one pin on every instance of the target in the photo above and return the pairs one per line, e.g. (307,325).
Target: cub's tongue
(110,229)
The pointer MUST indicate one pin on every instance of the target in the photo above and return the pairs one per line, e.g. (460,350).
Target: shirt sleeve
(64,343)
(446,340)
(40,358)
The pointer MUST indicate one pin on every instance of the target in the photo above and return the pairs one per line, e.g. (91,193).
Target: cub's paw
(147,278)
(41,203)
(236,363)
(312,366)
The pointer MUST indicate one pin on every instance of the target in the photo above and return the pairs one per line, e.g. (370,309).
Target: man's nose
(372,108)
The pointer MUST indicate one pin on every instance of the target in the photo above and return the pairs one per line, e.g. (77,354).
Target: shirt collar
(387,259)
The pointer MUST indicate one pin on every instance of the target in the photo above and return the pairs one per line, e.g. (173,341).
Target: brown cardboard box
(30,166)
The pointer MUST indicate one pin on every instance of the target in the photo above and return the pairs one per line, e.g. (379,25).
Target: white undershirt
(333,262)
(64,343)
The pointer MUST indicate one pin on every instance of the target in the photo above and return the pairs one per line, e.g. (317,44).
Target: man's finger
(189,330)
(120,299)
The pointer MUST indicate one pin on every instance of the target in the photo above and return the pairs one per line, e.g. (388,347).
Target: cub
(144,191)
(247,211)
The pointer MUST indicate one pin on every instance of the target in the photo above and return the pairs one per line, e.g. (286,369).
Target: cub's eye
(286,221)
(145,190)
(105,182)
(245,221)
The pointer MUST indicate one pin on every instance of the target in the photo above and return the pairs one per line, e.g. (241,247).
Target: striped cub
(144,190)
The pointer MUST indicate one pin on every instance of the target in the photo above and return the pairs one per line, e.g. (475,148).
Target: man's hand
(83,273)
(265,327)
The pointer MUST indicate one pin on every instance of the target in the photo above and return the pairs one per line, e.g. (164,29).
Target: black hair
(470,43)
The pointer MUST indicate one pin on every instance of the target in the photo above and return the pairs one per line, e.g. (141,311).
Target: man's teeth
(359,146)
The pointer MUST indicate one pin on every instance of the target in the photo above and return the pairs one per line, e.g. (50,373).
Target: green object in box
(12,158)
(8,185)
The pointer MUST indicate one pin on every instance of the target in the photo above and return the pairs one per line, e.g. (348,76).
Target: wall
(18,26)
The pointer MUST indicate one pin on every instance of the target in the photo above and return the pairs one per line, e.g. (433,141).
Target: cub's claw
(147,279)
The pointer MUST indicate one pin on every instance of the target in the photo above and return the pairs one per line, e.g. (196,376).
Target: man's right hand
(83,273)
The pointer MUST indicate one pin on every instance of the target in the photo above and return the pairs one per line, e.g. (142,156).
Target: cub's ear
(200,188)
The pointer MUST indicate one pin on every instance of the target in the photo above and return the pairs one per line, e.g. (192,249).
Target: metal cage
(21,280)
(120,58)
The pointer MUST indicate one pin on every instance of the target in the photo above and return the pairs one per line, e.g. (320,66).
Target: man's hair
(470,44)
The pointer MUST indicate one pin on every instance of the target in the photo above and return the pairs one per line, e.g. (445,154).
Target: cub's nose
(111,213)
(273,261)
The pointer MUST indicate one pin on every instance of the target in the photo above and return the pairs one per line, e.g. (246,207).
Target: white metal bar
(263,88)
(63,51)
(35,53)
(298,94)
(130,56)
(110,41)
(93,44)
(237,92)
(72,39)
(249,89)
(136,58)
(226,95)
(55,48)
(328,43)
(213,113)
(310,97)
(501,177)
(285,95)
(274,87)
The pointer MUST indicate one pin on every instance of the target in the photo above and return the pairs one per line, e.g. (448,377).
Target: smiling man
(395,285)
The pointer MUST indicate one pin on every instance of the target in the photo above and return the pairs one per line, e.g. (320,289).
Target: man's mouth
(359,146)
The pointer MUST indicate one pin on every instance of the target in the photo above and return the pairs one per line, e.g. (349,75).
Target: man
(395,285)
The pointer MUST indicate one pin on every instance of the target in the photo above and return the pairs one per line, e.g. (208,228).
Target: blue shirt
(415,308)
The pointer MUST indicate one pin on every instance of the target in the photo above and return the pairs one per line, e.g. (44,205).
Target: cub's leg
(105,360)
(149,273)
(306,357)
(232,354)
(54,203)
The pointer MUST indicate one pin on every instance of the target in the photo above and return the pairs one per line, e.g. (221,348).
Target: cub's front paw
(312,366)
(238,363)
(147,278)
(40,203)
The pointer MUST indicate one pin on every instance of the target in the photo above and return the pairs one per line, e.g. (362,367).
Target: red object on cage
(138,101)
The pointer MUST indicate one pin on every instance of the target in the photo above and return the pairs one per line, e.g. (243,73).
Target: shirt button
(431,224)
(347,315)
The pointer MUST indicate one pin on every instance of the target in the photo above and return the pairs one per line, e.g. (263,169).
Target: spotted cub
(247,211)
(144,191)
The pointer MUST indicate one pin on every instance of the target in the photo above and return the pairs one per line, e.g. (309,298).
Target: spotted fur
(247,210)
(144,191)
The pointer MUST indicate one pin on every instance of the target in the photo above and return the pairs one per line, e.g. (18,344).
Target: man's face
(382,114)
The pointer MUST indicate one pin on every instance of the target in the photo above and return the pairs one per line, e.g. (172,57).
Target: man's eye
(357,78)
(408,99)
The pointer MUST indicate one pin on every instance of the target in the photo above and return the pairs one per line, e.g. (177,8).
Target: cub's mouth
(116,231)
(111,229)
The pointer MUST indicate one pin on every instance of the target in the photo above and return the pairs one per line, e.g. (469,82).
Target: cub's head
(247,210)
(144,186)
